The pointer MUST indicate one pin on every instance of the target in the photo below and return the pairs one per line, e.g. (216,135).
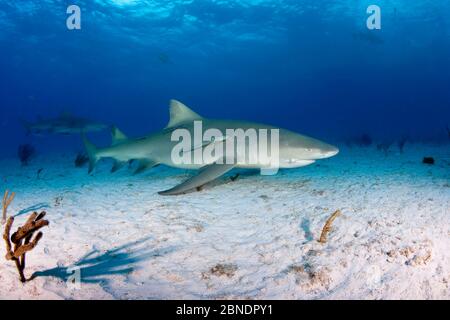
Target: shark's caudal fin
(117,136)
(180,113)
(91,151)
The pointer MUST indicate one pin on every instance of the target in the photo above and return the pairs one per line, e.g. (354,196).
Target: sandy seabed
(254,238)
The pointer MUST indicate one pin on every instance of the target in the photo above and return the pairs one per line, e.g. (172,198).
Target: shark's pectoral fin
(145,164)
(117,165)
(206,174)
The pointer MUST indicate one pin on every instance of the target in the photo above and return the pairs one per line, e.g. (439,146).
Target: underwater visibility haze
(312,67)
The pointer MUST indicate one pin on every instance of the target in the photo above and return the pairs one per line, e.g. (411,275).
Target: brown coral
(23,240)
(327,227)
(7,199)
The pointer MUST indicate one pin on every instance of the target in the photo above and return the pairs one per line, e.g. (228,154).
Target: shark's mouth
(295,163)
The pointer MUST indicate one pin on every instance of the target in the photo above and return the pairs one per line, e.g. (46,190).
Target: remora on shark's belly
(294,150)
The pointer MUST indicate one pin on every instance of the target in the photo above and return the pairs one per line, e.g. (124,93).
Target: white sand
(392,241)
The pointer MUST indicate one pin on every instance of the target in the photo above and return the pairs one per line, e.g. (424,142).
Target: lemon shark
(64,124)
(293,150)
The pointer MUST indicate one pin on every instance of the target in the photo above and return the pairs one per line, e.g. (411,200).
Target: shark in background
(65,124)
(295,150)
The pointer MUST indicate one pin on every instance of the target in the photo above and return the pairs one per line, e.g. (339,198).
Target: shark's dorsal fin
(179,113)
(205,175)
(117,136)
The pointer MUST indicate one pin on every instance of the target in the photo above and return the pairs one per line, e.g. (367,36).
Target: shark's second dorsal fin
(179,113)
(117,136)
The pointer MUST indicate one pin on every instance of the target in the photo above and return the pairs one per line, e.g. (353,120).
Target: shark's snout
(330,151)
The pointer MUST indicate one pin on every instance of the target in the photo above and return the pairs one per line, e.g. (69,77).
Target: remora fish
(295,150)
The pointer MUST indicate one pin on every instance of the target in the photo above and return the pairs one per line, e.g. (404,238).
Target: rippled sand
(252,238)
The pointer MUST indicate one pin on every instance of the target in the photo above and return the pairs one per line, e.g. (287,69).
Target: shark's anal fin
(65,115)
(145,164)
(206,174)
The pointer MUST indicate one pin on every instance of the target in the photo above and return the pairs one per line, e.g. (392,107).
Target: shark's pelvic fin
(117,165)
(117,136)
(91,151)
(206,174)
(179,113)
(145,164)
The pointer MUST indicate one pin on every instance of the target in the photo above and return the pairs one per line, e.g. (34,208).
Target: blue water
(310,66)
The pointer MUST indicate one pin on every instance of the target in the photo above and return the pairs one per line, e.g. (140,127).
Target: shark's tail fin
(91,151)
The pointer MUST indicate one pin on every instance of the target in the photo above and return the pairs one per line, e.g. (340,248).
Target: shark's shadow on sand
(305,225)
(96,267)
(33,208)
